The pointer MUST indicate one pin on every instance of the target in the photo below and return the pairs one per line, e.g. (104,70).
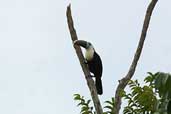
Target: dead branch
(85,69)
(124,81)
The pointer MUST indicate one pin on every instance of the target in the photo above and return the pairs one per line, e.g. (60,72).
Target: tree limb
(124,81)
(85,69)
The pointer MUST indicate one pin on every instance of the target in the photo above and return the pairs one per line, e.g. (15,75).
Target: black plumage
(94,63)
(95,67)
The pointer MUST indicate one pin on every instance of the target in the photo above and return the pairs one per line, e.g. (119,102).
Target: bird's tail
(99,86)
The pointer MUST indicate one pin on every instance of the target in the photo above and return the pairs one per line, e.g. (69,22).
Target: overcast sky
(39,70)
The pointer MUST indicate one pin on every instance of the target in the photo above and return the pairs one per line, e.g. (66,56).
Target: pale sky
(39,69)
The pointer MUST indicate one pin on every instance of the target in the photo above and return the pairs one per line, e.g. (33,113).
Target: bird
(94,62)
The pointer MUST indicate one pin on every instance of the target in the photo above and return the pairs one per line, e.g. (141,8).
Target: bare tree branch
(124,81)
(85,69)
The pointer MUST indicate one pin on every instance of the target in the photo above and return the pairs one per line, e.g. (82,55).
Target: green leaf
(168,86)
(87,112)
(109,102)
(149,78)
(88,101)
(109,107)
(105,113)
(113,99)
(149,73)
(77,97)
(84,109)
(82,99)
(82,104)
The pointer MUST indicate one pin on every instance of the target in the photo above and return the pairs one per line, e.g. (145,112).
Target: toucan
(94,63)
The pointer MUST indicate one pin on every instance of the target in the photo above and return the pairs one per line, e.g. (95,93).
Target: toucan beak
(81,43)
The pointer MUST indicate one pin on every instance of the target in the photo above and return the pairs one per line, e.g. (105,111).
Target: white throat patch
(89,53)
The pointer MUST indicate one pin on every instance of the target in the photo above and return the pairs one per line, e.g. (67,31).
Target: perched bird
(94,63)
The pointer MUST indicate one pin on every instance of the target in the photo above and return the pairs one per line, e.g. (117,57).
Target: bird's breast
(89,54)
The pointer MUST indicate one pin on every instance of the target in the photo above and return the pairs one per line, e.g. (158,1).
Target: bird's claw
(85,62)
(90,76)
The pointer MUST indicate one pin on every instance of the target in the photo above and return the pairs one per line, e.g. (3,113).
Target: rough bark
(124,81)
(85,69)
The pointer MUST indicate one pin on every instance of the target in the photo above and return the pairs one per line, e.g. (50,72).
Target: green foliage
(140,99)
(150,79)
(110,106)
(162,84)
(87,109)
(84,104)
(152,98)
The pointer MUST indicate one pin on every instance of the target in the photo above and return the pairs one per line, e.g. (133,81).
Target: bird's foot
(90,76)
(85,62)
